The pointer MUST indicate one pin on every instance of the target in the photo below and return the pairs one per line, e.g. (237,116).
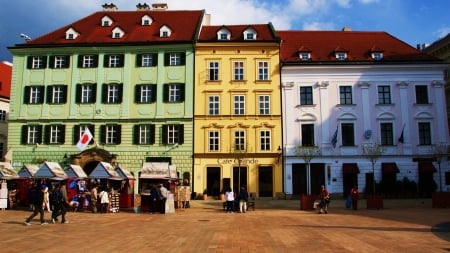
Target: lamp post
(307,153)
(239,154)
(440,150)
(372,151)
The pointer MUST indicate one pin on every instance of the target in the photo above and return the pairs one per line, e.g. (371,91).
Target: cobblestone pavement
(275,226)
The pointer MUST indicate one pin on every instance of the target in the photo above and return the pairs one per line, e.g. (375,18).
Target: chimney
(109,7)
(347,29)
(142,7)
(159,7)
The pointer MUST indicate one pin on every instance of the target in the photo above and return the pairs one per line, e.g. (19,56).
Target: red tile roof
(184,26)
(357,44)
(265,32)
(5,79)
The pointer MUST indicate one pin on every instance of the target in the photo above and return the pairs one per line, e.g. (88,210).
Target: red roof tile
(357,44)
(184,25)
(265,32)
(5,79)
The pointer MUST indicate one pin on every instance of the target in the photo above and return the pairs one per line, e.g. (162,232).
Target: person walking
(38,207)
(229,197)
(62,205)
(104,200)
(354,193)
(243,199)
(94,197)
(154,197)
(324,199)
(162,198)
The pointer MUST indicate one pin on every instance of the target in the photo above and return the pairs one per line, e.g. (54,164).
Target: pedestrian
(229,198)
(104,200)
(354,193)
(243,199)
(32,192)
(46,200)
(162,198)
(38,207)
(324,200)
(94,196)
(62,205)
(154,197)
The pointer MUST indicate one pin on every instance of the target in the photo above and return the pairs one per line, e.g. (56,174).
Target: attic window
(146,20)
(117,33)
(106,21)
(71,34)
(249,34)
(304,56)
(164,32)
(341,56)
(223,34)
(377,56)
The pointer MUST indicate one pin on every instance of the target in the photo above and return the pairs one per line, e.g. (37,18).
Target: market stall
(77,185)
(126,187)
(25,183)
(8,190)
(110,180)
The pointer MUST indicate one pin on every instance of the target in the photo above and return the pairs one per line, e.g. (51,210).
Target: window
(172,134)
(174,93)
(341,56)
(348,134)
(421,94)
(384,94)
(174,59)
(345,93)
(213,71)
(238,70)
(114,61)
(145,93)
(31,134)
(112,93)
(223,36)
(306,96)
(214,140)
(164,34)
(57,94)
(88,61)
(146,60)
(304,56)
(3,115)
(264,104)
(250,36)
(59,61)
(86,93)
(78,131)
(239,140)
(308,135)
(387,134)
(263,71)
(144,134)
(264,139)
(70,36)
(55,134)
(424,133)
(377,56)
(34,95)
(213,105)
(239,104)
(36,62)
(110,134)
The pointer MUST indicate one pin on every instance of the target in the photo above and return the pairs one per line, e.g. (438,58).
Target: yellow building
(237,111)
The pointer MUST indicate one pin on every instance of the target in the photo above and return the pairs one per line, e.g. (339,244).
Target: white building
(373,89)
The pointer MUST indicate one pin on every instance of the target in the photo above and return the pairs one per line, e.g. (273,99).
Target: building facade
(349,97)
(237,116)
(5,88)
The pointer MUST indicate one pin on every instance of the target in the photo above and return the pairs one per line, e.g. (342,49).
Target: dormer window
(341,56)
(106,21)
(304,56)
(165,32)
(250,34)
(377,56)
(117,33)
(146,20)
(223,34)
(71,34)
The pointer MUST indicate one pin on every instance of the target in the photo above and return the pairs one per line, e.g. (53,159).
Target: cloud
(317,26)
(442,32)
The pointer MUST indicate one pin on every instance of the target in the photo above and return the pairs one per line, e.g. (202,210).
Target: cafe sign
(236,161)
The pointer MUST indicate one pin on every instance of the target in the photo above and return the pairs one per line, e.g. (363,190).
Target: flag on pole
(334,138)
(84,139)
(401,139)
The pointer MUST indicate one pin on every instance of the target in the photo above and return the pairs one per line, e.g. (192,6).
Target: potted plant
(441,198)
(307,153)
(372,151)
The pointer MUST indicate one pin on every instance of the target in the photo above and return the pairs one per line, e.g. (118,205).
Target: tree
(307,153)
(440,151)
(372,151)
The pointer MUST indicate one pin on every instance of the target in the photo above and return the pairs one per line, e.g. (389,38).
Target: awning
(28,171)
(158,171)
(426,167)
(75,171)
(7,171)
(50,170)
(124,173)
(104,170)
(389,168)
(350,168)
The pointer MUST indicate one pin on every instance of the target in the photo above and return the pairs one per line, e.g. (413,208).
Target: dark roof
(357,44)
(184,25)
(265,32)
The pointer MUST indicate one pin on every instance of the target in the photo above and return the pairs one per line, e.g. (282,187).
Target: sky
(412,21)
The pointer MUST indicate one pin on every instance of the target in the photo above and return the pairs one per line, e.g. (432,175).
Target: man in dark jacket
(243,199)
(61,208)
(38,203)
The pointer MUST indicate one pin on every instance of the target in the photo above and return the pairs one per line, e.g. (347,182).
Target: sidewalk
(275,226)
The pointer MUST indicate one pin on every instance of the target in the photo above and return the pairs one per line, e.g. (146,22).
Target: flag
(84,139)
(401,138)
(334,138)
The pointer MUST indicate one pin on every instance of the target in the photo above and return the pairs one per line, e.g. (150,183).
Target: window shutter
(121,60)
(39,134)
(64,94)
(26,97)
(119,134)
(78,94)
(49,94)
(164,135)
(182,59)
(80,61)
(154,90)
(24,134)
(137,93)
(76,134)
(102,134)
(92,129)
(95,60)
(166,59)
(44,62)
(139,60)
(104,93)
(42,91)
(180,134)
(120,98)
(182,89)
(152,134)
(166,93)
(29,62)
(136,134)
(155,59)
(62,140)
(105,61)
(47,134)
(51,62)
(94,93)
(66,61)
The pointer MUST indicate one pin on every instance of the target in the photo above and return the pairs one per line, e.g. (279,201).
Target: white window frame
(213,70)
(111,134)
(172,134)
(113,93)
(265,140)
(263,70)
(239,140)
(38,62)
(238,104)
(264,104)
(238,70)
(88,61)
(32,134)
(59,62)
(175,59)
(213,141)
(147,60)
(213,105)
(57,94)
(55,134)
(35,94)
(145,133)
(113,61)
(87,92)
(146,93)
(174,93)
